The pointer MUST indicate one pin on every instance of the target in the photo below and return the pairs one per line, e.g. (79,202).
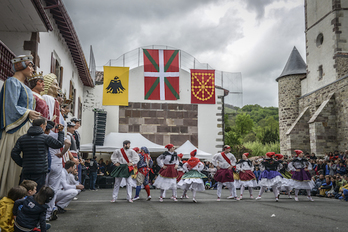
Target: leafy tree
(244,124)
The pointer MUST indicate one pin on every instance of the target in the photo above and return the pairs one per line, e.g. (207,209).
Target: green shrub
(259,149)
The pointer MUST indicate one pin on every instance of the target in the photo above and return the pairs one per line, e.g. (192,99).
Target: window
(320,40)
(56,68)
(72,93)
(320,72)
(79,114)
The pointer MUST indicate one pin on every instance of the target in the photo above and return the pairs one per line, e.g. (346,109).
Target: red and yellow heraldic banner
(115,86)
(202,86)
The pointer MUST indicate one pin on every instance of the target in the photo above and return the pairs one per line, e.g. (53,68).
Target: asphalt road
(93,211)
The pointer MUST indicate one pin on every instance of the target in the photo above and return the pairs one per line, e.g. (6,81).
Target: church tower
(326,43)
(289,91)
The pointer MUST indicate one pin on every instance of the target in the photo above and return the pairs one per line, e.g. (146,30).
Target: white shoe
(241,197)
(113,200)
(218,199)
(310,198)
(251,197)
(75,198)
(161,199)
(230,197)
(148,198)
(130,201)
(296,198)
(257,198)
(237,198)
(187,197)
(182,197)
(136,198)
(174,199)
(290,197)
(194,200)
(277,199)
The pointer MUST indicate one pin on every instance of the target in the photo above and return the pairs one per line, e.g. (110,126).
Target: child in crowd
(30,186)
(257,173)
(6,207)
(33,211)
(208,184)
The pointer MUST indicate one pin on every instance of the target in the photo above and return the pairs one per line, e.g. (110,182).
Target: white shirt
(64,181)
(245,166)
(198,167)
(218,160)
(165,159)
(117,156)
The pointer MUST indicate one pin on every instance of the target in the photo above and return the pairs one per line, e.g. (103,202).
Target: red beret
(246,154)
(136,149)
(169,146)
(270,154)
(298,152)
(227,147)
(193,153)
(180,155)
(279,156)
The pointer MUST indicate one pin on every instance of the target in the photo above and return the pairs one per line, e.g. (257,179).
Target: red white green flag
(161,74)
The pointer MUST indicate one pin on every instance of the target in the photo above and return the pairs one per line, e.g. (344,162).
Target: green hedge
(259,149)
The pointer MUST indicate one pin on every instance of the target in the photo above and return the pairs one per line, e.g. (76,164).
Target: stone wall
(338,113)
(289,90)
(161,123)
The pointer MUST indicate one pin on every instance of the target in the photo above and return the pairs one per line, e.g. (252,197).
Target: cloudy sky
(254,37)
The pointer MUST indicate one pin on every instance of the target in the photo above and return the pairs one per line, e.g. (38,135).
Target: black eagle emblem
(115,86)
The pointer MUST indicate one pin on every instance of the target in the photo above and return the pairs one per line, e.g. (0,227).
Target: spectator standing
(34,146)
(93,172)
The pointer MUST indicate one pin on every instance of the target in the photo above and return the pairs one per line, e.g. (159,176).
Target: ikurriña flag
(115,86)
(161,74)
(202,86)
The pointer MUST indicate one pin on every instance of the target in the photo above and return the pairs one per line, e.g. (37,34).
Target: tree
(244,124)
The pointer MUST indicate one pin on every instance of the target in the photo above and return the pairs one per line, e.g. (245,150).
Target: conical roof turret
(294,66)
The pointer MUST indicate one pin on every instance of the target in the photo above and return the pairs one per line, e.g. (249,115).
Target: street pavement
(93,211)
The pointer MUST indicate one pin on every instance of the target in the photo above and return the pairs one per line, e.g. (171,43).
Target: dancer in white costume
(224,163)
(247,178)
(301,178)
(270,176)
(166,179)
(193,178)
(286,176)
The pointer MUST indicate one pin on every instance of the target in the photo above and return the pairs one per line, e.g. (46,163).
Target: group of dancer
(134,165)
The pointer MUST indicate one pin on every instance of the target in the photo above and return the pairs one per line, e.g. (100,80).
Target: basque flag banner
(202,86)
(161,74)
(115,86)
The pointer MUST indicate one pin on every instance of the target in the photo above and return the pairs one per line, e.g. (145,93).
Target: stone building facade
(313,97)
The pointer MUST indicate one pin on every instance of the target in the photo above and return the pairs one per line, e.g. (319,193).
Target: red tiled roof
(68,32)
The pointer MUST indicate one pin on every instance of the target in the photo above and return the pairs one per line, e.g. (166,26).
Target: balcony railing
(6,55)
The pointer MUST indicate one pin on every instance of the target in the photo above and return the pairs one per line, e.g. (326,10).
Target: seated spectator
(208,184)
(313,157)
(6,207)
(341,169)
(318,182)
(33,211)
(325,187)
(321,167)
(30,186)
(67,191)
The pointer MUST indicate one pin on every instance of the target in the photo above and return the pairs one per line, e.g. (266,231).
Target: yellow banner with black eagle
(115,86)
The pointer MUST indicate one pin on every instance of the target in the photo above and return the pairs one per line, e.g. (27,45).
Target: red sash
(130,168)
(225,157)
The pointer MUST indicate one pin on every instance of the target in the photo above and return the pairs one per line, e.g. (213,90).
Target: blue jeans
(92,180)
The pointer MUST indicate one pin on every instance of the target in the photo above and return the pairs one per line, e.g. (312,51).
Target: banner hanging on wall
(161,74)
(202,86)
(115,86)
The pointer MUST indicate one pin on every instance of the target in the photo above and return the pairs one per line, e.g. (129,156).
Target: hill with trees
(252,128)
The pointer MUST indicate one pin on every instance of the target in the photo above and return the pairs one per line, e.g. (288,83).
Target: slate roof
(295,65)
